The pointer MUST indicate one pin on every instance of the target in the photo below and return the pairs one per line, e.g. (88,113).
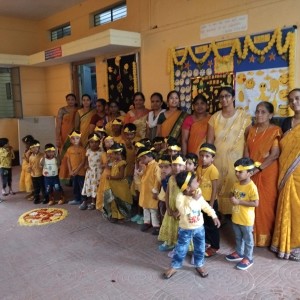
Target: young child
(173,149)
(92,175)
(191,162)
(116,128)
(118,207)
(208,176)
(244,199)
(50,165)
(150,186)
(169,228)
(190,203)
(158,145)
(6,157)
(165,165)
(25,182)
(36,172)
(105,164)
(76,163)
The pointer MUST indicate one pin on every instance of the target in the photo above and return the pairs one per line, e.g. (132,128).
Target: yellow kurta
(149,181)
(286,237)
(25,182)
(229,141)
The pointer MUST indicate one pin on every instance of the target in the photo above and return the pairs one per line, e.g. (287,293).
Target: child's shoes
(140,221)
(234,256)
(165,247)
(244,264)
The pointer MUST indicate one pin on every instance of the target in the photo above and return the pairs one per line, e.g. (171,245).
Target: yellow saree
(286,237)
(229,141)
(172,125)
(85,120)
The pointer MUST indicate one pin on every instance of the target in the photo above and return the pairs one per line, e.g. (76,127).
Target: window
(110,15)
(60,32)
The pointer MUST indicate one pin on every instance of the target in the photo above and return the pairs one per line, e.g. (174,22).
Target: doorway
(84,79)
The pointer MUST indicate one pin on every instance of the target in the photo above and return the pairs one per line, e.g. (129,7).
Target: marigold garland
(134,73)
(276,39)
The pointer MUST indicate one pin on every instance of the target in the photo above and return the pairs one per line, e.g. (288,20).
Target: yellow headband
(35,145)
(191,160)
(50,149)
(127,130)
(186,182)
(166,162)
(139,145)
(143,153)
(179,160)
(207,150)
(174,148)
(74,133)
(94,138)
(117,122)
(101,129)
(109,151)
(245,168)
(158,143)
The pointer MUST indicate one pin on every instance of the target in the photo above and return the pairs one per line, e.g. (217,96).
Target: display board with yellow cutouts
(260,67)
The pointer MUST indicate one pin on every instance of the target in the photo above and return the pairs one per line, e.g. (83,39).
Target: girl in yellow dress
(117,203)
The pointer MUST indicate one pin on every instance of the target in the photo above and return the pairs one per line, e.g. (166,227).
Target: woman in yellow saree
(138,116)
(83,118)
(226,130)
(194,127)
(263,146)
(65,122)
(286,237)
(169,123)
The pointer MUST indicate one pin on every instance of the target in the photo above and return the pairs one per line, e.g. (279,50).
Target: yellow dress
(286,237)
(229,141)
(25,182)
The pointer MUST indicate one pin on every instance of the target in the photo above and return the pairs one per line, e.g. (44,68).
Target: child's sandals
(91,206)
(202,272)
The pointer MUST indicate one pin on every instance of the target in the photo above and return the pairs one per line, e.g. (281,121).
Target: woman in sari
(169,123)
(226,130)
(286,237)
(194,127)
(138,115)
(263,146)
(156,109)
(83,118)
(65,122)
(99,118)
(113,113)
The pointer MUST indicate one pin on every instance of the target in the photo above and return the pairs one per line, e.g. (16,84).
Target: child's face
(158,147)
(177,168)
(129,135)
(205,158)
(116,129)
(35,149)
(108,143)
(75,140)
(165,169)
(172,152)
(94,145)
(194,185)
(50,154)
(145,159)
(243,175)
(190,166)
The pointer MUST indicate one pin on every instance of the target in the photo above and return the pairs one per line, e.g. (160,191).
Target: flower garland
(276,39)
(134,74)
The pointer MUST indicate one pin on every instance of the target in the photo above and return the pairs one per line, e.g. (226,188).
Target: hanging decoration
(263,66)
(122,80)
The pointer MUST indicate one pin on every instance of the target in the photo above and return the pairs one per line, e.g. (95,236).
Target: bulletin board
(262,67)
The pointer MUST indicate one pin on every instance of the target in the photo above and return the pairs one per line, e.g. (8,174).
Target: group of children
(151,184)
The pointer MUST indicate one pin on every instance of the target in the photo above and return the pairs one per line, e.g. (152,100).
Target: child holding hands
(190,203)
(244,199)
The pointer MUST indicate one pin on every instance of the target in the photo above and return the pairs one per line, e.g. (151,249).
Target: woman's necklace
(257,131)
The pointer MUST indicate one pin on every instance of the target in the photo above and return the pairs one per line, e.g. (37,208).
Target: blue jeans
(184,238)
(52,184)
(244,240)
(78,182)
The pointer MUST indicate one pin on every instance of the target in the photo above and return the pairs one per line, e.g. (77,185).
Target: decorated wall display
(122,80)
(209,86)
(263,68)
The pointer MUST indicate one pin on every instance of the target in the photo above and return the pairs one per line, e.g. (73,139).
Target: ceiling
(34,9)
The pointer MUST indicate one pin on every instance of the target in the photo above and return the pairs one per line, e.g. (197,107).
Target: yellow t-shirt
(244,215)
(205,178)
(6,158)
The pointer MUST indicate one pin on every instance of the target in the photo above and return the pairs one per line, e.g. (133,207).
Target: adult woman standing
(65,122)
(286,237)
(83,118)
(194,127)
(113,113)
(263,146)
(156,109)
(169,123)
(226,130)
(138,115)
(99,118)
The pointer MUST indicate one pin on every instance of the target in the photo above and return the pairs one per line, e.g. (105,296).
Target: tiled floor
(86,257)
